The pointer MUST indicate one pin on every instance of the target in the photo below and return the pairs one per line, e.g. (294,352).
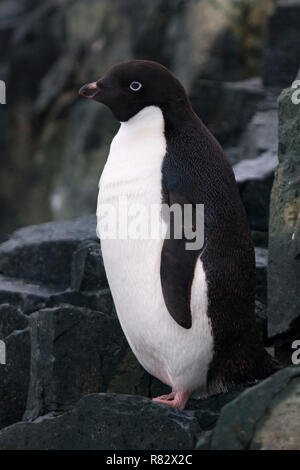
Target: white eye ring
(135,86)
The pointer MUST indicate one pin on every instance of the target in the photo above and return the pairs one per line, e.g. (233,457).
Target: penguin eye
(135,86)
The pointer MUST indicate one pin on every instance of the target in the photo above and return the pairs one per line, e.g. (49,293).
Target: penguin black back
(228,254)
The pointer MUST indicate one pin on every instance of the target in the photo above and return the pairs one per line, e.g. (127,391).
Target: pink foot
(175,399)
(165,397)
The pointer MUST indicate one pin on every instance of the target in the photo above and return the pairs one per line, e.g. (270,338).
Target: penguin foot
(175,399)
(169,396)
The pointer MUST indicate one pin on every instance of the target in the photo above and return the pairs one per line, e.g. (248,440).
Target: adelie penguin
(188,315)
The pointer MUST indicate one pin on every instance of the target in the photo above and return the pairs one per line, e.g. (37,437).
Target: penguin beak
(90,90)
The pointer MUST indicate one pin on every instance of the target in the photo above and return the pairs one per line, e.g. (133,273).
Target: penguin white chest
(132,176)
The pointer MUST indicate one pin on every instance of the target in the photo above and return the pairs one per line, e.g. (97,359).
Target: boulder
(11,319)
(283,51)
(30,297)
(42,254)
(14,374)
(87,269)
(53,263)
(107,422)
(119,422)
(284,229)
(75,352)
(255,178)
(261,133)
(264,417)
(227,107)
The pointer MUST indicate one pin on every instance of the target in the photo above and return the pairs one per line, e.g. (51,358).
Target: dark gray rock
(265,416)
(260,238)
(261,133)
(87,271)
(284,228)
(31,297)
(261,261)
(283,52)
(11,319)
(227,107)
(262,321)
(110,422)
(43,253)
(14,375)
(77,351)
(208,410)
(254,159)
(255,178)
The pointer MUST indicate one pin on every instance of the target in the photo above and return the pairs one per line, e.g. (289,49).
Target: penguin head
(129,87)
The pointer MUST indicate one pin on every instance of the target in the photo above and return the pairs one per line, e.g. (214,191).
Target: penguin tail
(245,370)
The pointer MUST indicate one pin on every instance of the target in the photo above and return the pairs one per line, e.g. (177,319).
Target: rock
(75,352)
(208,410)
(43,253)
(284,228)
(30,297)
(282,55)
(109,422)
(255,178)
(261,134)
(257,418)
(227,107)
(87,270)
(14,374)
(11,319)
(254,159)
(56,263)
(260,239)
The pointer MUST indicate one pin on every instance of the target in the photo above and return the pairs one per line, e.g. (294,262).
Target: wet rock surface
(109,422)
(14,373)
(76,363)
(263,417)
(75,352)
(284,231)
(42,254)
(249,419)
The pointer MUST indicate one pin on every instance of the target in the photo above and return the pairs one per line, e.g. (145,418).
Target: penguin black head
(131,86)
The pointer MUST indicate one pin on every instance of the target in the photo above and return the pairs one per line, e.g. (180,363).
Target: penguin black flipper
(177,263)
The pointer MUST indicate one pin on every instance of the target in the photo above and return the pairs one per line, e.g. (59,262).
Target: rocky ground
(71,381)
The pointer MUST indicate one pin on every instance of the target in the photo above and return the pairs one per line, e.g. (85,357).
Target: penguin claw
(175,399)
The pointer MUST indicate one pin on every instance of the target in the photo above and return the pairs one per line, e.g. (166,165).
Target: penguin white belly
(177,356)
